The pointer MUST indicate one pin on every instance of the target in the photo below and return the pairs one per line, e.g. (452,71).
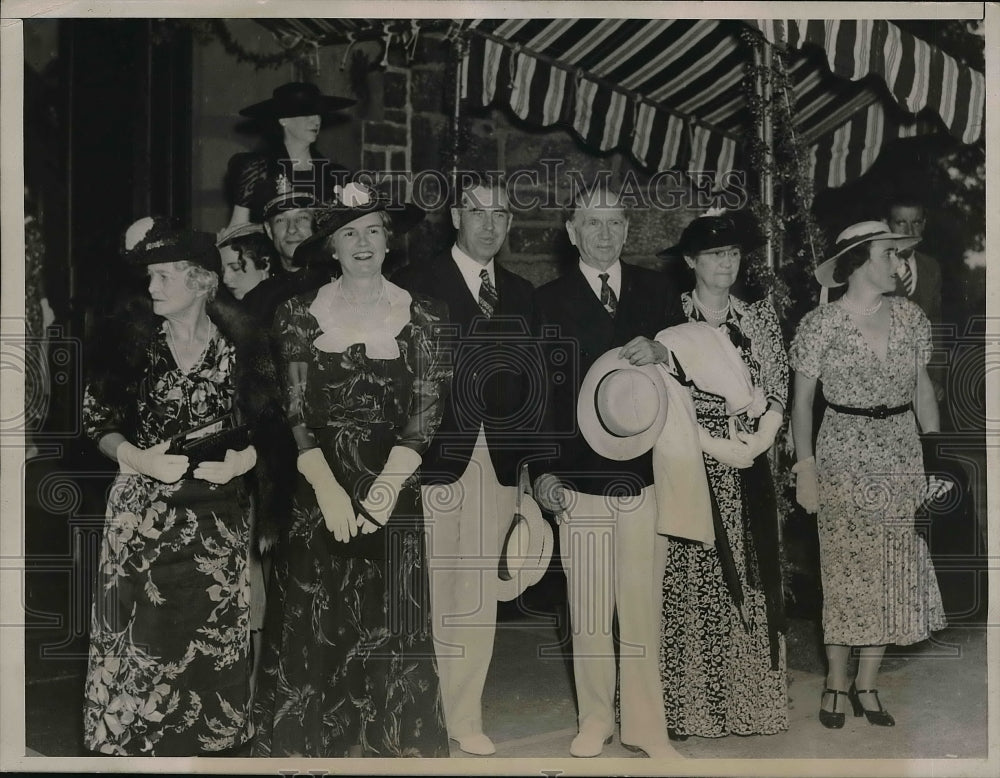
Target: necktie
(906,276)
(608,298)
(487,294)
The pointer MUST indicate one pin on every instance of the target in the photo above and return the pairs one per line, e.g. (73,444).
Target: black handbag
(210,441)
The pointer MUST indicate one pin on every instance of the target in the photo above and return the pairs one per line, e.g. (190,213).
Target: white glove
(154,462)
(734,453)
(767,430)
(334,502)
(806,484)
(235,464)
(384,491)
(551,496)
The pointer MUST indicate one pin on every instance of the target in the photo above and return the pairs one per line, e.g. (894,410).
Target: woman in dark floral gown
(722,656)
(349,666)
(168,669)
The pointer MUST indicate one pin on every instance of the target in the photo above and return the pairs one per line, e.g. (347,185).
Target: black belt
(875,412)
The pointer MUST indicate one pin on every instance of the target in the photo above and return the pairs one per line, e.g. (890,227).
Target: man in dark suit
(613,558)
(470,472)
(919,275)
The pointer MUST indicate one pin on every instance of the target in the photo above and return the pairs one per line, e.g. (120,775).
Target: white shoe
(588,744)
(476,744)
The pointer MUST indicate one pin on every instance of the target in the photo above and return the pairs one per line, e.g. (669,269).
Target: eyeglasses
(733,252)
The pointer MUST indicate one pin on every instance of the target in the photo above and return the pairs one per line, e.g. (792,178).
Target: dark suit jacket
(647,304)
(498,378)
(927,293)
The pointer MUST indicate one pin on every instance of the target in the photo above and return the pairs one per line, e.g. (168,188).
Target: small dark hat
(297,98)
(352,201)
(712,231)
(155,239)
(280,194)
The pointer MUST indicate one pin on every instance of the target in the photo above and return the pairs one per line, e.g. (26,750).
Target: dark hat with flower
(714,229)
(155,239)
(297,98)
(354,200)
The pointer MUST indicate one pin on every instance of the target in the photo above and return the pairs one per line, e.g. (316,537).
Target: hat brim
(190,246)
(404,217)
(824,270)
(517,571)
(229,234)
(290,202)
(321,106)
(597,436)
(746,244)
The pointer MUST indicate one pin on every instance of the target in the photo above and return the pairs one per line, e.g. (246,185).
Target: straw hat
(622,407)
(526,550)
(856,235)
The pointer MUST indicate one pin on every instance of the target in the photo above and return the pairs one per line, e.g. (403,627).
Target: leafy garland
(208,30)
(799,244)
(797,237)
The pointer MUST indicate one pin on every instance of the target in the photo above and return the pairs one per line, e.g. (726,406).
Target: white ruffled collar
(341,328)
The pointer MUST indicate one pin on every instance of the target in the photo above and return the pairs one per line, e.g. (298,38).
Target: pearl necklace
(363,307)
(713,313)
(869,311)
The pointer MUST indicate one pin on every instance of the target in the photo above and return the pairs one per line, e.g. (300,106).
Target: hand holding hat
(551,496)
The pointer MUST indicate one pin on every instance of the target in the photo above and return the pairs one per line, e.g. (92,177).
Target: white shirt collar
(470,270)
(614,277)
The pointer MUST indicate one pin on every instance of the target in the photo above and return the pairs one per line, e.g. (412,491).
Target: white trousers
(613,559)
(465,522)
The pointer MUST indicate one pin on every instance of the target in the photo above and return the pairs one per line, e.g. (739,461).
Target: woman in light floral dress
(867,478)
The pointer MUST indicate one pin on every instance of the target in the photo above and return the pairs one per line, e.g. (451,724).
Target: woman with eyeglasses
(722,654)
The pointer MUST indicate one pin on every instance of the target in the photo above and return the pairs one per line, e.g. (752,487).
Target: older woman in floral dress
(722,655)
(168,672)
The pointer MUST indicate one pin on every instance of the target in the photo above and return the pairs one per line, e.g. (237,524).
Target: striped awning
(671,91)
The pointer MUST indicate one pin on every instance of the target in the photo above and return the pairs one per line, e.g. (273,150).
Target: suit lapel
(596,325)
(454,291)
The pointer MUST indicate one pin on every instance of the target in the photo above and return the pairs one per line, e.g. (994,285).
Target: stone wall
(414,134)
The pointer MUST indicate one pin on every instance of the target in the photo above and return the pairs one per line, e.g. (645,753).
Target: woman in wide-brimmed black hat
(722,650)
(291,118)
(349,625)
(169,657)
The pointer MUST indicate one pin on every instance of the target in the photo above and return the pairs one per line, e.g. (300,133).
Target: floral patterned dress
(168,671)
(717,670)
(879,585)
(349,660)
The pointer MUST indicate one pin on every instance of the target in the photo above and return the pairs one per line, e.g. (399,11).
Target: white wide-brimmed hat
(622,407)
(855,235)
(526,550)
